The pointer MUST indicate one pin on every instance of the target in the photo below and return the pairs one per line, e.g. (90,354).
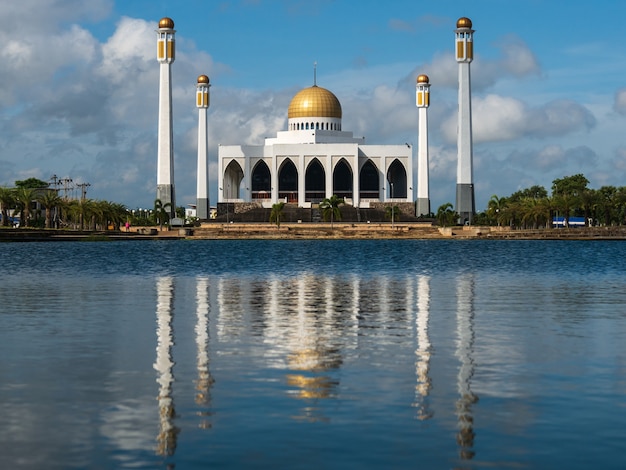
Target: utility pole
(83,190)
(66,182)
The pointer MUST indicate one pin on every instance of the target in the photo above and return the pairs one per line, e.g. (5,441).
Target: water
(313,354)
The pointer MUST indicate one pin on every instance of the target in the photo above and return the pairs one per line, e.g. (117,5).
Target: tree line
(54,211)
(534,207)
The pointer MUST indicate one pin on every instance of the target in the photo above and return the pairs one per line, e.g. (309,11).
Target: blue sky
(79,91)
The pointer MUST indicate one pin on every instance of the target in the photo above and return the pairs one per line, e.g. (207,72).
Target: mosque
(315,159)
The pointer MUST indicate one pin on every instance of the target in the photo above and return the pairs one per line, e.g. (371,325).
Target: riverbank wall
(214,231)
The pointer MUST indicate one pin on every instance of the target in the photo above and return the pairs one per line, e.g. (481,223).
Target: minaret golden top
(166,23)
(422,79)
(203,79)
(464,22)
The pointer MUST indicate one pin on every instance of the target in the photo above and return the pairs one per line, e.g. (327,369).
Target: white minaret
(422,100)
(465,180)
(202,192)
(165,147)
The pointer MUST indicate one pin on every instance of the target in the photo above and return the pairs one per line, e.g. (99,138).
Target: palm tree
(392,212)
(495,206)
(120,213)
(50,200)
(7,199)
(330,208)
(110,213)
(277,212)
(80,211)
(23,199)
(446,214)
(161,212)
(606,203)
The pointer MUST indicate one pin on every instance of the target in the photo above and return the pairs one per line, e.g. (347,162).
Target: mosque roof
(314,101)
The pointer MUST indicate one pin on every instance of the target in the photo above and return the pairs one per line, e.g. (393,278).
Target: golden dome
(166,23)
(422,79)
(464,22)
(314,101)
(203,79)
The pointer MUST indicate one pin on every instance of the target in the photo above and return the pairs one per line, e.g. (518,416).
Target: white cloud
(128,51)
(497,118)
(619,104)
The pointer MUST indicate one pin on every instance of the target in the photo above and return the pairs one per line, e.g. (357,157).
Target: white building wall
(276,151)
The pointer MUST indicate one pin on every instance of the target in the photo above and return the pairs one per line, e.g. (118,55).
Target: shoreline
(316,231)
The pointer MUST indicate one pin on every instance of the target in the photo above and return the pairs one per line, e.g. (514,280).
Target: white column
(329,177)
(356,188)
(274,179)
(202,188)
(301,179)
(165,144)
(465,205)
(423,102)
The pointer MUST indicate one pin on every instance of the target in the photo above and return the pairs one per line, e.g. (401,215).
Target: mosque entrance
(342,180)
(396,176)
(369,181)
(232,179)
(288,182)
(261,181)
(315,182)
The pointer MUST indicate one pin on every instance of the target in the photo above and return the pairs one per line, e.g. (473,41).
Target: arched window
(396,176)
(315,182)
(233,175)
(261,181)
(288,181)
(369,182)
(342,179)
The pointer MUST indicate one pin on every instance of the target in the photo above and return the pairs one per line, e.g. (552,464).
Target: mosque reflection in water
(307,325)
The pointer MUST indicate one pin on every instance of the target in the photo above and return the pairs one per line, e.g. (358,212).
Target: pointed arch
(369,181)
(233,175)
(261,181)
(314,182)
(342,179)
(288,181)
(396,176)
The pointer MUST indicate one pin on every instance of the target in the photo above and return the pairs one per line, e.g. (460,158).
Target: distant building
(568,222)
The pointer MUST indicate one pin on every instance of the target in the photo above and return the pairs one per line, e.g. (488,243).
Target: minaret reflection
(464,351)
(231,308)
(422,353)
(204,381)
(168,432)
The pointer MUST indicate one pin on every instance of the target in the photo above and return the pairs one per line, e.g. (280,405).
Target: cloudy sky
(79,92)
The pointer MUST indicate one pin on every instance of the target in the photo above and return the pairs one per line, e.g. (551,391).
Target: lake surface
(313,354)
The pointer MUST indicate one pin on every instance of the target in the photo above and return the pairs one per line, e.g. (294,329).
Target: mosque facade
(315,159)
